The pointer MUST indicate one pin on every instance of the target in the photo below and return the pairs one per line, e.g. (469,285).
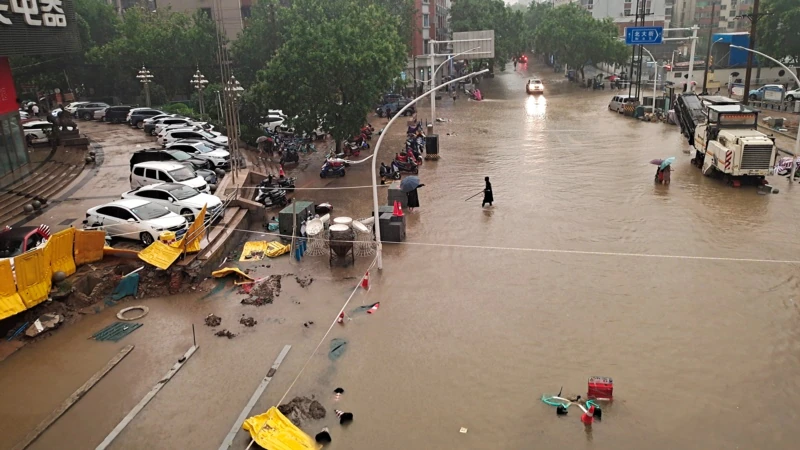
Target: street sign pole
(689,87)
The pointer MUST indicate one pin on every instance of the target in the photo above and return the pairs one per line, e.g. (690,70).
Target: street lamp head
(144,75)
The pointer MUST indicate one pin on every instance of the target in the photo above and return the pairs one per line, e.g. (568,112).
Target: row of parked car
(169,185)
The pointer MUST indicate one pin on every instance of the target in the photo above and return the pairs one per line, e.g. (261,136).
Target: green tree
(259,40)
(779,31)
(339,56)
(576,38)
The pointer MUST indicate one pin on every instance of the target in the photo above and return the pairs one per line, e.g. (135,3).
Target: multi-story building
(698,12)
(431,22)
(623,12)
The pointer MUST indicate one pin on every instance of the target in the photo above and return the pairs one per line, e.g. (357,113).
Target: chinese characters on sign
(644,35)
(48,13)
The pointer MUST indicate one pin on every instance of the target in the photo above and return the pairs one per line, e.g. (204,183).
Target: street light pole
(433,83)
(796,80)
(376,224)
(691,59)
(710,44)
(199,82)
(708,65)
(655,79)
(145,77)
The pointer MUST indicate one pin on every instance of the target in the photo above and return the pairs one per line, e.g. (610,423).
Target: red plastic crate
(600,387)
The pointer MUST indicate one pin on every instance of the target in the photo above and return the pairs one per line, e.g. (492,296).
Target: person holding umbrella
(663,170)
(409,185)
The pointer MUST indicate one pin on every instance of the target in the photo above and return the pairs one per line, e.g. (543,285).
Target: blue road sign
(644,35)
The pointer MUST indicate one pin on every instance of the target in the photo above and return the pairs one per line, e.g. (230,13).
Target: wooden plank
(72,399)
(138,408)
(226,444)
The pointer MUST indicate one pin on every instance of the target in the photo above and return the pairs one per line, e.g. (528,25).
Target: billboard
(468,40)
(8,95)
(38,27)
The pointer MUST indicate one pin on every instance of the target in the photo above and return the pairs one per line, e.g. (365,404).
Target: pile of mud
(304,281)
(248,321)
(213,321)
(225,333)
(264,291)
(302,409)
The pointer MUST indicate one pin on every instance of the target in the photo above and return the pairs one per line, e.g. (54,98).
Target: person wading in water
(487,194)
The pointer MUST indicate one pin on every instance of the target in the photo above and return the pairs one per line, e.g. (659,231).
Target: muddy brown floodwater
(484,310)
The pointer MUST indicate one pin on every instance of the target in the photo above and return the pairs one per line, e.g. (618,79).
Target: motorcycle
(388,173)
(367,131)
(290,155)
(332,168)
(286,184)
(269,197)
(405,166)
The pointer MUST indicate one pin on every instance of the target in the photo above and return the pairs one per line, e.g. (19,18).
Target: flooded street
(582,267)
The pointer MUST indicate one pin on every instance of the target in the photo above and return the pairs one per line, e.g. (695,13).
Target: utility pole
(708,48)
(753,16)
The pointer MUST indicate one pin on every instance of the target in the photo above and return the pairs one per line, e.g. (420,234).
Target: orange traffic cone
(281,173)
(365,281)
(588,417)
(398,210)
(374,308)
(340,319)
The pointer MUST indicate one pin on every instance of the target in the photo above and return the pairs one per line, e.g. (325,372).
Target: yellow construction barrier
(196,233)
(61,251)
(274,431)
(254,251)
(275,249)
(89,246)
(243,277)
(33,277)
(10,301)
(160,255)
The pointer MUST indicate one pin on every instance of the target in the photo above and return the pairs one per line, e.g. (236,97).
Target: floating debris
(301,409)
(338,346)
(248,321)
(304,281)
(225,333)
(213,321)
(263,291)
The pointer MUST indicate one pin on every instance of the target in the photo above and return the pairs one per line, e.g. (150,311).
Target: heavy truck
(726,140)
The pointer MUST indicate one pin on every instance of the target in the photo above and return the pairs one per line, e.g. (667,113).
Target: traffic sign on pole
(644,35)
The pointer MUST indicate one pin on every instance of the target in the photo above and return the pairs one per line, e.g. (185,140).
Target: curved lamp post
(377,224)
(199,82)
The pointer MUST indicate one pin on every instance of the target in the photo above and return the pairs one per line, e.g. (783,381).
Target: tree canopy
(576,38)
(779,31)
(337,58)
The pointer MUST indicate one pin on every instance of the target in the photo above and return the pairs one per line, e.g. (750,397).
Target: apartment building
(727,17)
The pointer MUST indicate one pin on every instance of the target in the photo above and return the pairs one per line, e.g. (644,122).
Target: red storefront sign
(8,95)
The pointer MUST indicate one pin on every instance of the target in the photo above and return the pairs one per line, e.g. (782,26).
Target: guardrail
(790,107)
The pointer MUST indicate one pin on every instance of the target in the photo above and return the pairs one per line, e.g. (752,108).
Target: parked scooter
(367,131)
(270,197)
(406,166)
(286,184)
(388,173)
(290,155)
(332,168)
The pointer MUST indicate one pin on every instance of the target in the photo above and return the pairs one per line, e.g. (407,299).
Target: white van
(153,172)
(618,102)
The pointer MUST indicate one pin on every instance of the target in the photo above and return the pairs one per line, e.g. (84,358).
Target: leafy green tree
(338,57)
(779,31)
(476,15)
(259,40)
(576,38)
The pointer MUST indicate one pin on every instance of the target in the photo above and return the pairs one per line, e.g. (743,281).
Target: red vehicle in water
(522,59)
(16,241)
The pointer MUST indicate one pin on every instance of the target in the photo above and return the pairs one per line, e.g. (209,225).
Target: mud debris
(248,321)
(225,333)
(213,321)
(302,409)
(264,291)
(304,281)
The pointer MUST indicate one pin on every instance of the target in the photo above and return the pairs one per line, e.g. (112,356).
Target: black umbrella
(409,183)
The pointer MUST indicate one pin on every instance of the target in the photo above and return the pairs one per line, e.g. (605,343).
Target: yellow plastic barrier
(243,277)
(160,255)
(10,301)
(89,246)
(196,232)
(61,251)
(275,249)
(254,251)
(274,431)
(33,277)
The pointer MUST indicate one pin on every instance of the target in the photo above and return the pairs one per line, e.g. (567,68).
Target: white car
(36,131)
(55,112)
(100,114)
(181,121)
(203,150)
(275,122)
(136,219)
(24,115)
(196,133)
(156,172)
(534,86)
(72,107)
(793,95)
(192,124)
(180,199)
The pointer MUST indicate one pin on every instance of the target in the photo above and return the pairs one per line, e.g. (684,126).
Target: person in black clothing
(487,194)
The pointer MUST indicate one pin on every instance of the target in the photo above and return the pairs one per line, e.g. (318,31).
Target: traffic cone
(344,417)
(323,437)
(588,417)
(374,308)
(365,281)
(340,319)
(281,173)
(398,210)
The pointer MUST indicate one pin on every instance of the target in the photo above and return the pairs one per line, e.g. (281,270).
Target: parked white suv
(196,133)
(203,150)
(155,172)
(36,131)
(136,219)
(180,199)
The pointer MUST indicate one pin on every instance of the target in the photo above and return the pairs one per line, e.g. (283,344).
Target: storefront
(28,28)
